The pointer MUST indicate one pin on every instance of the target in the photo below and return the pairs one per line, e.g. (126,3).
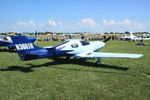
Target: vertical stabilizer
(27,50)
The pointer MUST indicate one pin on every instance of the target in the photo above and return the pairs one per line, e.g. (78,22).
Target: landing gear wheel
(67,57)
(99,61)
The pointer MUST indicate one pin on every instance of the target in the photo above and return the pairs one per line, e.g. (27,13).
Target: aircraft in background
(6,41)
(133,37)
(140,38)
(70,48)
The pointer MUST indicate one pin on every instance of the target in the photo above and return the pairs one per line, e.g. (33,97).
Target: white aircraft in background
(133,37)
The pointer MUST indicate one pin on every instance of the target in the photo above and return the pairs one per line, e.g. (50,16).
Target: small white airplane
(70,48)
(133,37)
(141,38)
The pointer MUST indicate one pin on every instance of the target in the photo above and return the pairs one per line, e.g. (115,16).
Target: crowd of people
(98,38)
(51,39)
(56,38)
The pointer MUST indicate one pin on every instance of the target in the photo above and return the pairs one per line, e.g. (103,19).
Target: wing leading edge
(110,55)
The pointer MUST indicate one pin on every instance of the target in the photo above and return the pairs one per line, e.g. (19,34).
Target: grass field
(77,79)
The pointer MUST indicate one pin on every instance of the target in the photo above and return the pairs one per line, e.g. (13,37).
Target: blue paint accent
(33,53)
(62,52)
(62,43)
(4,43)
(32,39)
(28,53)
(59,48)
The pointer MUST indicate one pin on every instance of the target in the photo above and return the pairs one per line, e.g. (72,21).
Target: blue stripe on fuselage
(62,43)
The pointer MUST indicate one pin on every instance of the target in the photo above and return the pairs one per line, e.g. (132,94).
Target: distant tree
(127,32)
(106,33)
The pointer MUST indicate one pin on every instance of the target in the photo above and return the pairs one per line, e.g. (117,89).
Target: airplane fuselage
(79,46)
(71,48)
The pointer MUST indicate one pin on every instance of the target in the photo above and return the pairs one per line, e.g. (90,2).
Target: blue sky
(74,15)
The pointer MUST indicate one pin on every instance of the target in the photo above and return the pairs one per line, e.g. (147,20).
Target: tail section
(132,36)
(32,39)
(29,51)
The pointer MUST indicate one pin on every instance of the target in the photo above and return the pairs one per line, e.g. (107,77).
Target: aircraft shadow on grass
(59,61)
(7,50)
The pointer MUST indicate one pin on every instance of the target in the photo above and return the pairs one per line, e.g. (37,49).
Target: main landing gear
(11,48)
(67,57)
(99,61)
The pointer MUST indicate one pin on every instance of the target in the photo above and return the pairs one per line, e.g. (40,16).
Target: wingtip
(137,56)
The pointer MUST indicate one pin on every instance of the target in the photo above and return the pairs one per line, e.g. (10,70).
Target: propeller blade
(107,39)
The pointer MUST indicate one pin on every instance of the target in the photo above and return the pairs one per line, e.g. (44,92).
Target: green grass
(76,79)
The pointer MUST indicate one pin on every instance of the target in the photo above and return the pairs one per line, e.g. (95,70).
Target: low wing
(109,55)
(49,47)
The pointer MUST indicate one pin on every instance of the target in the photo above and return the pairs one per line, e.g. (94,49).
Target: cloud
(87,23)
(84,25)
(27,24)
(128,22)
(23,26)
(53,23)
(32,26)
(108,22)
(124,25)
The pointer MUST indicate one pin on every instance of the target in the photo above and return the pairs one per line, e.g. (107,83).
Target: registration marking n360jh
(24,46)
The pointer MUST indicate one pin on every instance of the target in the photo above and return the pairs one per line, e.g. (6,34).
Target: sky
(74,15)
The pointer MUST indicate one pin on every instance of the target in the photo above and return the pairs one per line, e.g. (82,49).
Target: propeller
(107,39)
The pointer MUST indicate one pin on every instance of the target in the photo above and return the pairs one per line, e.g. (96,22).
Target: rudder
(27,50)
